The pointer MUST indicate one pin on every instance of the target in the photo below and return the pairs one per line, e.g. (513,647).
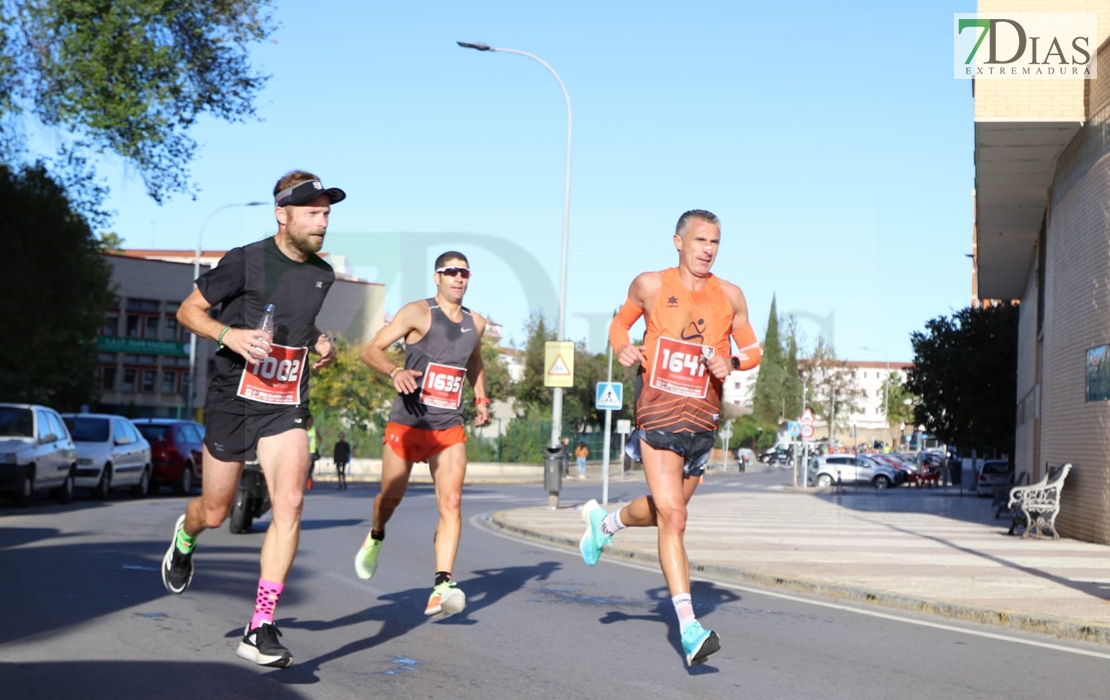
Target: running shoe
(366,561)
(593,541)
(699,643)
(446,599)
(177,568)
(261,646)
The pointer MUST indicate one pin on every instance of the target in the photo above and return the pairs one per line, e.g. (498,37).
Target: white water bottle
(266,325)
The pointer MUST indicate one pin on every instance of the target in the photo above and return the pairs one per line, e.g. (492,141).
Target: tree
(833,391)
(128,76)
(111,242)
(348,393)
(56,294)
(767,398)
(965,371)
(530,392)
(792,381)
(498,382)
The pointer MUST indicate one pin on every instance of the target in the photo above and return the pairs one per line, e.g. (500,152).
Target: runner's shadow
(706,598)
(404,611)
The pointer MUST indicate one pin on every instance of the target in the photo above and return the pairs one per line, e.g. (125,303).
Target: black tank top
(441,355)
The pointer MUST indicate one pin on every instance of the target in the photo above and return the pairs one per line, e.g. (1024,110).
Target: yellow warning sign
(558,358)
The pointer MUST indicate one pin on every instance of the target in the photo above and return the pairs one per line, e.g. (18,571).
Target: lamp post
(189,397)
(886,392)
(557,399)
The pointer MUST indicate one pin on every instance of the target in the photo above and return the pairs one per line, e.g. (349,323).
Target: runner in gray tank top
(442,350)
(446,349)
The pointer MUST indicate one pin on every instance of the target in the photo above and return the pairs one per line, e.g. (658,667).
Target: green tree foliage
(56,292)
(832,390)
(768,395)
(965,371)
(347,395)
(530,391)
(498,382)
(792,381)
(129,76)
(111,242)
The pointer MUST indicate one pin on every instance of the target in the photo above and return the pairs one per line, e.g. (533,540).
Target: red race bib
(679,368)
(277,379)
(443,386)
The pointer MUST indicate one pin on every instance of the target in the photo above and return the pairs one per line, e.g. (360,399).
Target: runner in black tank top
(442,350)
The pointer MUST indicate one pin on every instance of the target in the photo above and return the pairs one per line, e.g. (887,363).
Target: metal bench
(1002,495)
(1039,503)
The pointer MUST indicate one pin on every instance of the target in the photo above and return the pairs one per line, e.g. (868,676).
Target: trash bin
(554,463)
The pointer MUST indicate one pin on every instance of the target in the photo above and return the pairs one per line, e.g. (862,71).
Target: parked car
(176,450)
(826,470)
(36,453)
(110,453)
(779,455)
(995,473)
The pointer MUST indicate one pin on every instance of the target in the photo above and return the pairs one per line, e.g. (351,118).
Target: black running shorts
(233,437)
(694,447)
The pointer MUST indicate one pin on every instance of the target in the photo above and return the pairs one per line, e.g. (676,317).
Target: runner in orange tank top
(690,315)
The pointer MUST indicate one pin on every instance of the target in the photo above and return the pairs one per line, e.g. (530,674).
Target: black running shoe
(177,568)
(261,646)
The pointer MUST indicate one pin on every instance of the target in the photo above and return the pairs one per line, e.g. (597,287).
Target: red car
(176,450)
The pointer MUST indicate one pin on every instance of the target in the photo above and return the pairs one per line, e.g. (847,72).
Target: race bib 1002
(277,379)
(443,386)
(679,368)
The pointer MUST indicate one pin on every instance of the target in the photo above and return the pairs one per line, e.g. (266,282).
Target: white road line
(479,521)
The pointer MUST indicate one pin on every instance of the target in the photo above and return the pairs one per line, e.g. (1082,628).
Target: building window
(736,385)
(129,376)
(108,378)
(148,381)
(173,328)
(169,382)
(151,330)
(134,325)
(111,325)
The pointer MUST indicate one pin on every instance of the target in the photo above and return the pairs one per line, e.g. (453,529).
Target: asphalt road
(86,616)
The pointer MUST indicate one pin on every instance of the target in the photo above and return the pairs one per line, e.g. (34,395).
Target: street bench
(1001,501)
(1039,503)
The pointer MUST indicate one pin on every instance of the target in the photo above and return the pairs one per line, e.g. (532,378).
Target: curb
(1057,627)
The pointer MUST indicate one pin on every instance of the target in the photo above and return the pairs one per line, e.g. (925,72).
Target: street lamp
(557,399)
(886,392)
(189,397)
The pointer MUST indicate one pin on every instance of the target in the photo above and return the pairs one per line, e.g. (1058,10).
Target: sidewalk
(925,550)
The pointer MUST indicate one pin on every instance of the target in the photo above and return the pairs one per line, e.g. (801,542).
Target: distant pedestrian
(342,455)
(580,454)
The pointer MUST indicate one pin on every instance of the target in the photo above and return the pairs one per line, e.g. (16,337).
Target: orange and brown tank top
(674,390)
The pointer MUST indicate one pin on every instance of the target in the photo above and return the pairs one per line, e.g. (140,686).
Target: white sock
(684,608)
(612,524)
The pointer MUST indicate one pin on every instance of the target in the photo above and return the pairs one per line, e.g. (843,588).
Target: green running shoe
(366,561)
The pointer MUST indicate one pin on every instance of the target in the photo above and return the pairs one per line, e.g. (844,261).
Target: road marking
(482,521)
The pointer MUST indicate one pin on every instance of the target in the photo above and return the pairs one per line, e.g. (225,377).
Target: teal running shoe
(699,643)
(593,541)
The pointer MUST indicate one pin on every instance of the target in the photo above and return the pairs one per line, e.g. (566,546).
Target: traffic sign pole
(608,440)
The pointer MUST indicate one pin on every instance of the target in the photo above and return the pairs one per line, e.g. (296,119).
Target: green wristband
(220,338)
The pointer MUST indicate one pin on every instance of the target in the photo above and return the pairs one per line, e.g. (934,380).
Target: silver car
(849,469)
(111,452)
(36,453)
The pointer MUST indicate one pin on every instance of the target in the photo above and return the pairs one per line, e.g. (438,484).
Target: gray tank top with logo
(441,355)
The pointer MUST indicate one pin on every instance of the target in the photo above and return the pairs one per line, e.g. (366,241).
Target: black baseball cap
(306,192)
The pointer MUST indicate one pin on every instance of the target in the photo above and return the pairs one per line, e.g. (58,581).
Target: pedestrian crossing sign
(609,396)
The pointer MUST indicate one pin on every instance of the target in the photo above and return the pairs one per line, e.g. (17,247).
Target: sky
(833,143)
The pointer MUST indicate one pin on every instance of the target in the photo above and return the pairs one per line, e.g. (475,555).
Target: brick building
(1042,235)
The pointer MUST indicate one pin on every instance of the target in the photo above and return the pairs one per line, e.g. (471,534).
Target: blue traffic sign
(609,396)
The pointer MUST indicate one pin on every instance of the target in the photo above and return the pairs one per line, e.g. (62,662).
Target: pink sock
(268,594)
